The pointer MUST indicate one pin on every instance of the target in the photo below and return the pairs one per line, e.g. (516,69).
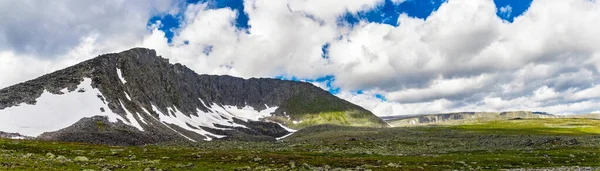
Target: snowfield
(120,74)
(216,115)
(53,112)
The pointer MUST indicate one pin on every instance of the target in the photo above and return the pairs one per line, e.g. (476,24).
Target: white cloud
(329,11)
(38,37)
(398,1)
(544,93)
(461,58)
(50,28)
(280,41)
(540,62)
(441,88)
(369,101)
(506,10)
(417,51)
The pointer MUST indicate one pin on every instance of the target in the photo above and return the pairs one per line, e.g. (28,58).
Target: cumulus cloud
(48,35)
(280,41)
(329,11)
(465,54)
(463,57)
(50,28)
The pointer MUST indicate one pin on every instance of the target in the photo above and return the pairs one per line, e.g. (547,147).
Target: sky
(393,57)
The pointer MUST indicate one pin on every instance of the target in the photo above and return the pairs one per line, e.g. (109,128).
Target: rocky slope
(136,97)
(13,135)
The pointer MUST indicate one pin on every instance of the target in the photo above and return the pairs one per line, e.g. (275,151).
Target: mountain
(13,135)
(136,97)
(462,118)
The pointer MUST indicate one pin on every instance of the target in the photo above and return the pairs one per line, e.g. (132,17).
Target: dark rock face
(99,130)
(151,81)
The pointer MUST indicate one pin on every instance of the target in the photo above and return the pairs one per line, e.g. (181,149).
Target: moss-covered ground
(510,144)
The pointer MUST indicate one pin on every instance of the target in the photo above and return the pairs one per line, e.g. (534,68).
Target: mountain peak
(143,93)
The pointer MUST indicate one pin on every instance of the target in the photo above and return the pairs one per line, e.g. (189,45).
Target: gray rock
(81,159)
(61,158)
(28,155)
(50,155)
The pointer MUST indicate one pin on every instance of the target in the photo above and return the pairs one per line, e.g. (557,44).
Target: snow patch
(248,112)
(292,131)
(141,118)
(131,119)
(121,76)
(203,104)
(210,119)
(182,121)
(216,115)
(167,125)
(16,137)
(285,136)
(286,128)
(53,112)
(127,95)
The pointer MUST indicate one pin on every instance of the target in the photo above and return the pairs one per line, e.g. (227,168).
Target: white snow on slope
(16,137)
(131,119)
(209,119)
(141,118)
(285,136)
(53,112)
(121,76)
(168,125)
(287,129)
(180,120)
(221,115)
(248,112)
(127,96)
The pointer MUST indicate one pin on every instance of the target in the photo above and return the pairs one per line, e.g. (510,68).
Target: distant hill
(463,117)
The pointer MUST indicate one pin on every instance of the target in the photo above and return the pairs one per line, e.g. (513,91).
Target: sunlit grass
(570,126)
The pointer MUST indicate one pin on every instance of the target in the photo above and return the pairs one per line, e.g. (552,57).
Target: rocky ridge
(463,117)
(13,135)
(148,100)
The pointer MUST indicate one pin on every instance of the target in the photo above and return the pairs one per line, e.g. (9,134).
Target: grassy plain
(494,145)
